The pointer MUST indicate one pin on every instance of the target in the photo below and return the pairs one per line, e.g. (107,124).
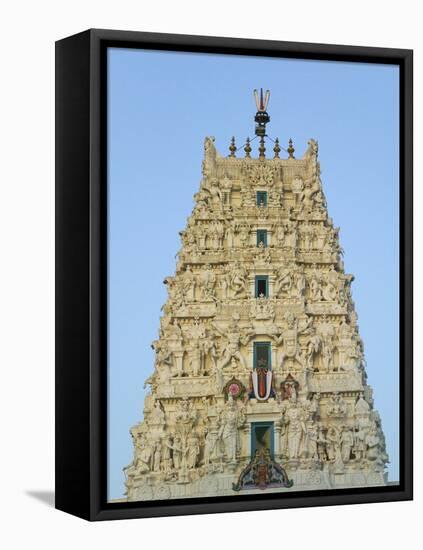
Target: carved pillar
(272,286)
(179,363)
(277,441)
(252,285)
(246,441)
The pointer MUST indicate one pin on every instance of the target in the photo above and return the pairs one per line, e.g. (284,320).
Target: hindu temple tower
(259,379)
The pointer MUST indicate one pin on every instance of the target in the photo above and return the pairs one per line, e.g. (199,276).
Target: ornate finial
(232,147)
(290,150)
(262,148)
(261,118)
(247,148)
(276,148)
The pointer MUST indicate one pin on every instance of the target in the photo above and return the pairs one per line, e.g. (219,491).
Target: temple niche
(259,381)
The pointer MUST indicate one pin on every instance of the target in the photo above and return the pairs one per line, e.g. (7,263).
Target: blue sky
(161,106)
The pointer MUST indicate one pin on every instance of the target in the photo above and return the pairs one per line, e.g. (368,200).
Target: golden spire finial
(232,147)
(276,148)
(247,148)
(290,149)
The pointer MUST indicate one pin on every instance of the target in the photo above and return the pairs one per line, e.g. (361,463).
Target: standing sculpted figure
(289,339)
(208,283)
(300,284)
(157,456)
(235,339)
(193,451)
(295,427)
(197,335)
(177,452)
(210,446)
(142,456)
(315,288)
(188,284)
(347,442)
(226,185)
(279,233)
(215,194)
(291,235)
(244,234)
(238,280)
(209,348)
(230,234)
(321,446)
(312,436)
(313,348)
(333,443)
(297,189)
(284,281)
(167,446)
(157,416)
(232,418)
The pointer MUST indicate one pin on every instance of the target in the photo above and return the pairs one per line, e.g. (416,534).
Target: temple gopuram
(259,380)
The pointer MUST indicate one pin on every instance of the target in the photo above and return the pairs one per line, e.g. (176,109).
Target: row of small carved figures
(329,286)
(316,442)
(217,234)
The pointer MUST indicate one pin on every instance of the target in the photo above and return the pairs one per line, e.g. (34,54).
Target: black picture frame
(81,273)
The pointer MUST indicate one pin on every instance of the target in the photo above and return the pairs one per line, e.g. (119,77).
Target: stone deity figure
(185,417)
(327,355)
(167,446)
(315,289)
(291,236)
(232,418)
(238,280)
(157,416)
(360,442)
(220,233)
(321,446)
(226,185)
(300,285)
(235,339)
(230,234)
(314,347)
(347,442)
(284,281)
(188,284)
(279,233)
(142,457)
(373,442)
(297,189)
(216,197)
(312,436)
(157,456)
(209,349)
(289,339)
(196,359)
(208,283)
(294,420)
(177,452)
(193,451)
(210,446)
(333,442)
(330,290)
(337,405)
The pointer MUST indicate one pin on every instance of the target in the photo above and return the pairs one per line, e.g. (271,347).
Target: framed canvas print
(234,274)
